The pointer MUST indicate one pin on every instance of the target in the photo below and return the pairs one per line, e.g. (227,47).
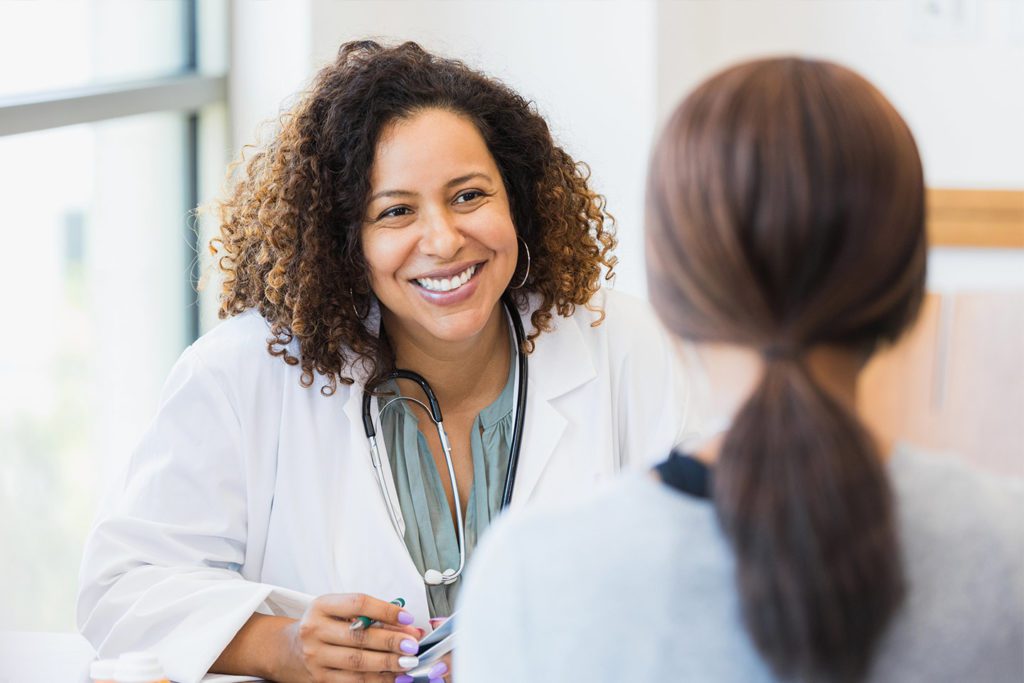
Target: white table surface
(27,657)
(44,657)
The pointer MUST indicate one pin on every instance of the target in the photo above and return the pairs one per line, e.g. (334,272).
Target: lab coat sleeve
(160,570)
(653,398)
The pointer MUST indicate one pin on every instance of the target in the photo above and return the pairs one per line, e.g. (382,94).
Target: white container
(139,667)
(102,670)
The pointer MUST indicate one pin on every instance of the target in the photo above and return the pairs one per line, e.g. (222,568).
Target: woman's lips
(452,296)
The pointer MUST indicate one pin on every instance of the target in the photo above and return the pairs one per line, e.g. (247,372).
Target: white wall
(270,62)
(958,82)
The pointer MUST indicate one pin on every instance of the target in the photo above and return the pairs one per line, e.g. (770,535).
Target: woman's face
(438,233)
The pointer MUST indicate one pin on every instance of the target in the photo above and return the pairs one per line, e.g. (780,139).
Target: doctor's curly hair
(289,243)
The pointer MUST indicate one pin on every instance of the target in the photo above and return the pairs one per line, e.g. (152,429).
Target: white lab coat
(251,493)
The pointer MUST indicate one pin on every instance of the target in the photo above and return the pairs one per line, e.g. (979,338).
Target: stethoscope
(435,577)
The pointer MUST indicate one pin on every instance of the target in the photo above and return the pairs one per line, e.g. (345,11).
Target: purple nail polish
(438,670)
(403,678)
(405,618)
(409,646)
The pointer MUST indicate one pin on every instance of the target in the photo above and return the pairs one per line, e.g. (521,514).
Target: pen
(361,622)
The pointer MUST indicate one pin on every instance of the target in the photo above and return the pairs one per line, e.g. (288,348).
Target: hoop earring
(359,316)
(526,275)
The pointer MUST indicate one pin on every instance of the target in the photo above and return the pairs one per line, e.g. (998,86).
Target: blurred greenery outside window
(112,129)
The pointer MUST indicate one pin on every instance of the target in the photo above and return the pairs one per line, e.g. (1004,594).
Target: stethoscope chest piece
(432,577)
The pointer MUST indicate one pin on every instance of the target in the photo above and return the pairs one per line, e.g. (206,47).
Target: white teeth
(446,284)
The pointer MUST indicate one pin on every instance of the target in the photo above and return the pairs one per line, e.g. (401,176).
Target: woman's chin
(457,328)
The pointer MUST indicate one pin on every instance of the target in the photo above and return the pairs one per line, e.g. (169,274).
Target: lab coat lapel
(559,363)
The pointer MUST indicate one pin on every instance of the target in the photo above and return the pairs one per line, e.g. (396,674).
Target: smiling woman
(411,213)
(291,242)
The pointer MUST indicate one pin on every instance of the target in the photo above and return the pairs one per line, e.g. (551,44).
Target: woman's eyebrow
(469,176)
(451,183)
(392,193)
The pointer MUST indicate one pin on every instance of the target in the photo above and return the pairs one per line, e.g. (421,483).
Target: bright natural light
(96,245)
(80,42)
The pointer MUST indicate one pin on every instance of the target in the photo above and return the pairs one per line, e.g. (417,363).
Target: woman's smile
(450,286)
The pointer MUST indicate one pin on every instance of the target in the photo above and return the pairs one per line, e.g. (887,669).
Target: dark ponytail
(801,493)
(786,214)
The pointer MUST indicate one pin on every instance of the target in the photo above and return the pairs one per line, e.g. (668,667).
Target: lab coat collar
(561,361)
(561,356)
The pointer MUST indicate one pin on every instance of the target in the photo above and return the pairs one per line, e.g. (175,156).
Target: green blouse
(430,534)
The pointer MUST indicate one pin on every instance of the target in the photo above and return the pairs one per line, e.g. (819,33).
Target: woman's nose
(441,236)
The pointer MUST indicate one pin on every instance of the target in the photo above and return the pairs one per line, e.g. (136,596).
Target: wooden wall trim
(976,218)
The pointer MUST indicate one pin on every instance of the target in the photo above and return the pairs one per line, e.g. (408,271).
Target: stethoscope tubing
(434,408)
(520,418)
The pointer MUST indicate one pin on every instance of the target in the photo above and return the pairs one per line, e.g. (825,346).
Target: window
(104,127)
(59,45)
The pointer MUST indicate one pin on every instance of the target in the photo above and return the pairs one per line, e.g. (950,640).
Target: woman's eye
(468,196)
(394,212)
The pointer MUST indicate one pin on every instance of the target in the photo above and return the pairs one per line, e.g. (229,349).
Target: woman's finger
(441,671)
(413,631)
(357,659)
(374,638)
(351,605)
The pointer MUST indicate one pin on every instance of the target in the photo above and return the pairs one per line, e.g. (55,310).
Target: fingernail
(408,662)
(405,618)
(402,678)
(409,646)
(438,670)
(422,632)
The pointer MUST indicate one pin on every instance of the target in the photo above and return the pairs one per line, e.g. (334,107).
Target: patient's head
(786,210)
(785,215)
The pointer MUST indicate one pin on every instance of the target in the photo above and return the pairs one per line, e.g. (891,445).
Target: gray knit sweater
(636,584)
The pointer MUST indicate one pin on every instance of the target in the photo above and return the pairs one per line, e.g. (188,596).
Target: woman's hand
(321,648)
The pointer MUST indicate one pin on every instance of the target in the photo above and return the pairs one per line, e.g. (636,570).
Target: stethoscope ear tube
(435,407)
(371,432)
(520,419)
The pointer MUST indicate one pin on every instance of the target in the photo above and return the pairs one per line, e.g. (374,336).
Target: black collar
(686,474)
